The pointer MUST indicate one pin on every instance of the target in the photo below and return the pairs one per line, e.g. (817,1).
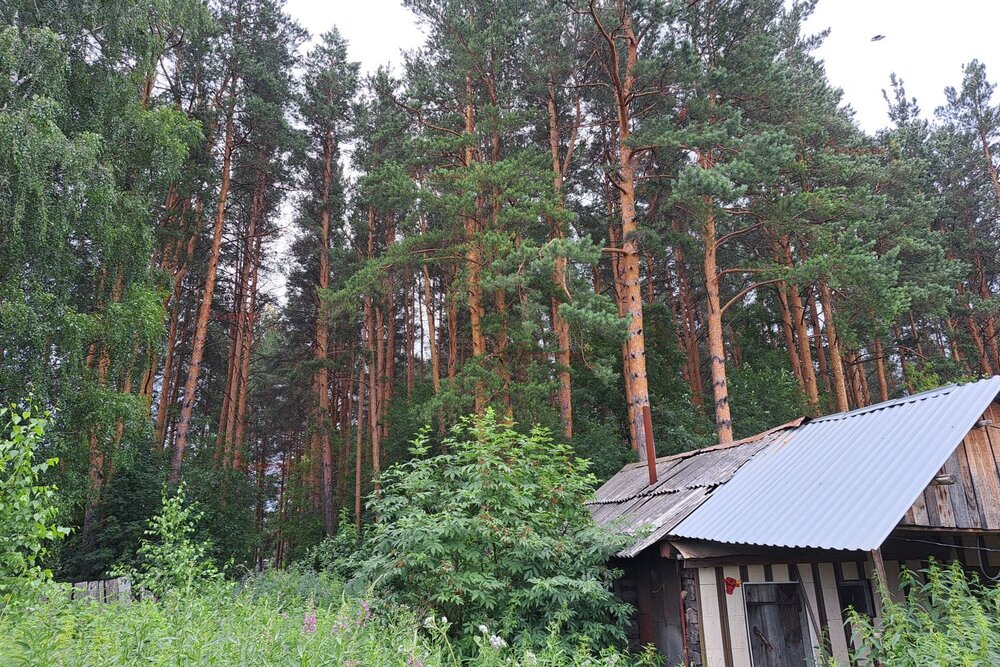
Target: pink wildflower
(309,623)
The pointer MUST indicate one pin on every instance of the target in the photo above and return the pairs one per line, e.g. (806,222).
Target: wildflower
(309,623)
(429,621)
(444,619)
(530,658)
(483,629)
(366,613)
(497,642)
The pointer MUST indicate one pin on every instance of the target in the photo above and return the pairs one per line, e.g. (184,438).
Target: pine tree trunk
(560,328)
(863,379)
(690,325)
(452,331)
(833,343)
(617,273)
(170,376)
(635,345)
(786,328)
(205,309)
(953,345)
(716,344)
(166,382)
(883,384)
(373,384)
(247,321)
(817,336)
(473,255)
(358,449)
(410,306)
(321,335)
(805,355)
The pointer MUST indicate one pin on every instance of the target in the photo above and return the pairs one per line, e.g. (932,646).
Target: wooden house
(748,553)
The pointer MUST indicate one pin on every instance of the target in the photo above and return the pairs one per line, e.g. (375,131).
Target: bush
(27,512)
(494,533)
(170,561)
(945,619)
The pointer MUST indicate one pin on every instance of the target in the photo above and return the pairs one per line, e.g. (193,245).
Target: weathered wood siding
(726,637)
(104,590)
(973,500)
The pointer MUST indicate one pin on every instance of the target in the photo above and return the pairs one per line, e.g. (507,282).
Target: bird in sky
(878,38)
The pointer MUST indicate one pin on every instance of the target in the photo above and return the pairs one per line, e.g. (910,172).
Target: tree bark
(623,81)
(883,384)
(817,335)
(716,344)
(833,343)
(560,327)
(205,308)
(473,254)
(321,351)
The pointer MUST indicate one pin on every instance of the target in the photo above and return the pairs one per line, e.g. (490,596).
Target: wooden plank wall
(973,500)
(725,637)
(104,590)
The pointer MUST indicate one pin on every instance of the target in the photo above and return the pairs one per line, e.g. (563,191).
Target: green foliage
(338,553)
(766,395)
(27,508)
(289,618)
(945,618)
(495,533)
(170,560)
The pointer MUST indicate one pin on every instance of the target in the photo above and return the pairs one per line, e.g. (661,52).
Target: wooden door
(777,625)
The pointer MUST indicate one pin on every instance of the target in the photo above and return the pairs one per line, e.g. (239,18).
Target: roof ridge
(903,400)
(795,423)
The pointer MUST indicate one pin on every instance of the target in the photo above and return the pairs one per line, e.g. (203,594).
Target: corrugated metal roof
(837,482)
(843,481)
(686,480)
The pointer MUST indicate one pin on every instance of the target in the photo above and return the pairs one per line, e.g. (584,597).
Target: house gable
(966,491)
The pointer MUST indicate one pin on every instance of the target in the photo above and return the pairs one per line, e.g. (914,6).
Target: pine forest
(231,260)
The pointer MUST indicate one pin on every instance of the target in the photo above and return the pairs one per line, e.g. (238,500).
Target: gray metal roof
(842,481)
(685,481)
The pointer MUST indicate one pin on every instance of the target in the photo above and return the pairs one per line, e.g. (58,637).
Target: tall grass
(281,618)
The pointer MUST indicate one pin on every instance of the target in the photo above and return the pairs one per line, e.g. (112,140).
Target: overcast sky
(926,42)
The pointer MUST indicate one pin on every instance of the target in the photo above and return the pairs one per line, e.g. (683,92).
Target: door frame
(804,599)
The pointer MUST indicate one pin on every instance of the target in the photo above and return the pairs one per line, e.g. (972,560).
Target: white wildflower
(483,629)
(497,642)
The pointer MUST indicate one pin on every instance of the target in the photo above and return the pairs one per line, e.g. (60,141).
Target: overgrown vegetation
(494,533)
(946,617)
(281,618)
(27,513)
(482,544)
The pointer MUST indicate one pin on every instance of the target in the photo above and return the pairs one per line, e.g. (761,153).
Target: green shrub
(494,533)
(27,512)
(944,619)
(339,553)
(170,561)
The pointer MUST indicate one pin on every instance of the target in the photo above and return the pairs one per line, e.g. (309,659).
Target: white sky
(926,42)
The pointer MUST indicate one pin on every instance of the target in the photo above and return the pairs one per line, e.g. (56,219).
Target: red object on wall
(731,585)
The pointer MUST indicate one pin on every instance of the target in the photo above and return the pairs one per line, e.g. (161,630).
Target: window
(856,594)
